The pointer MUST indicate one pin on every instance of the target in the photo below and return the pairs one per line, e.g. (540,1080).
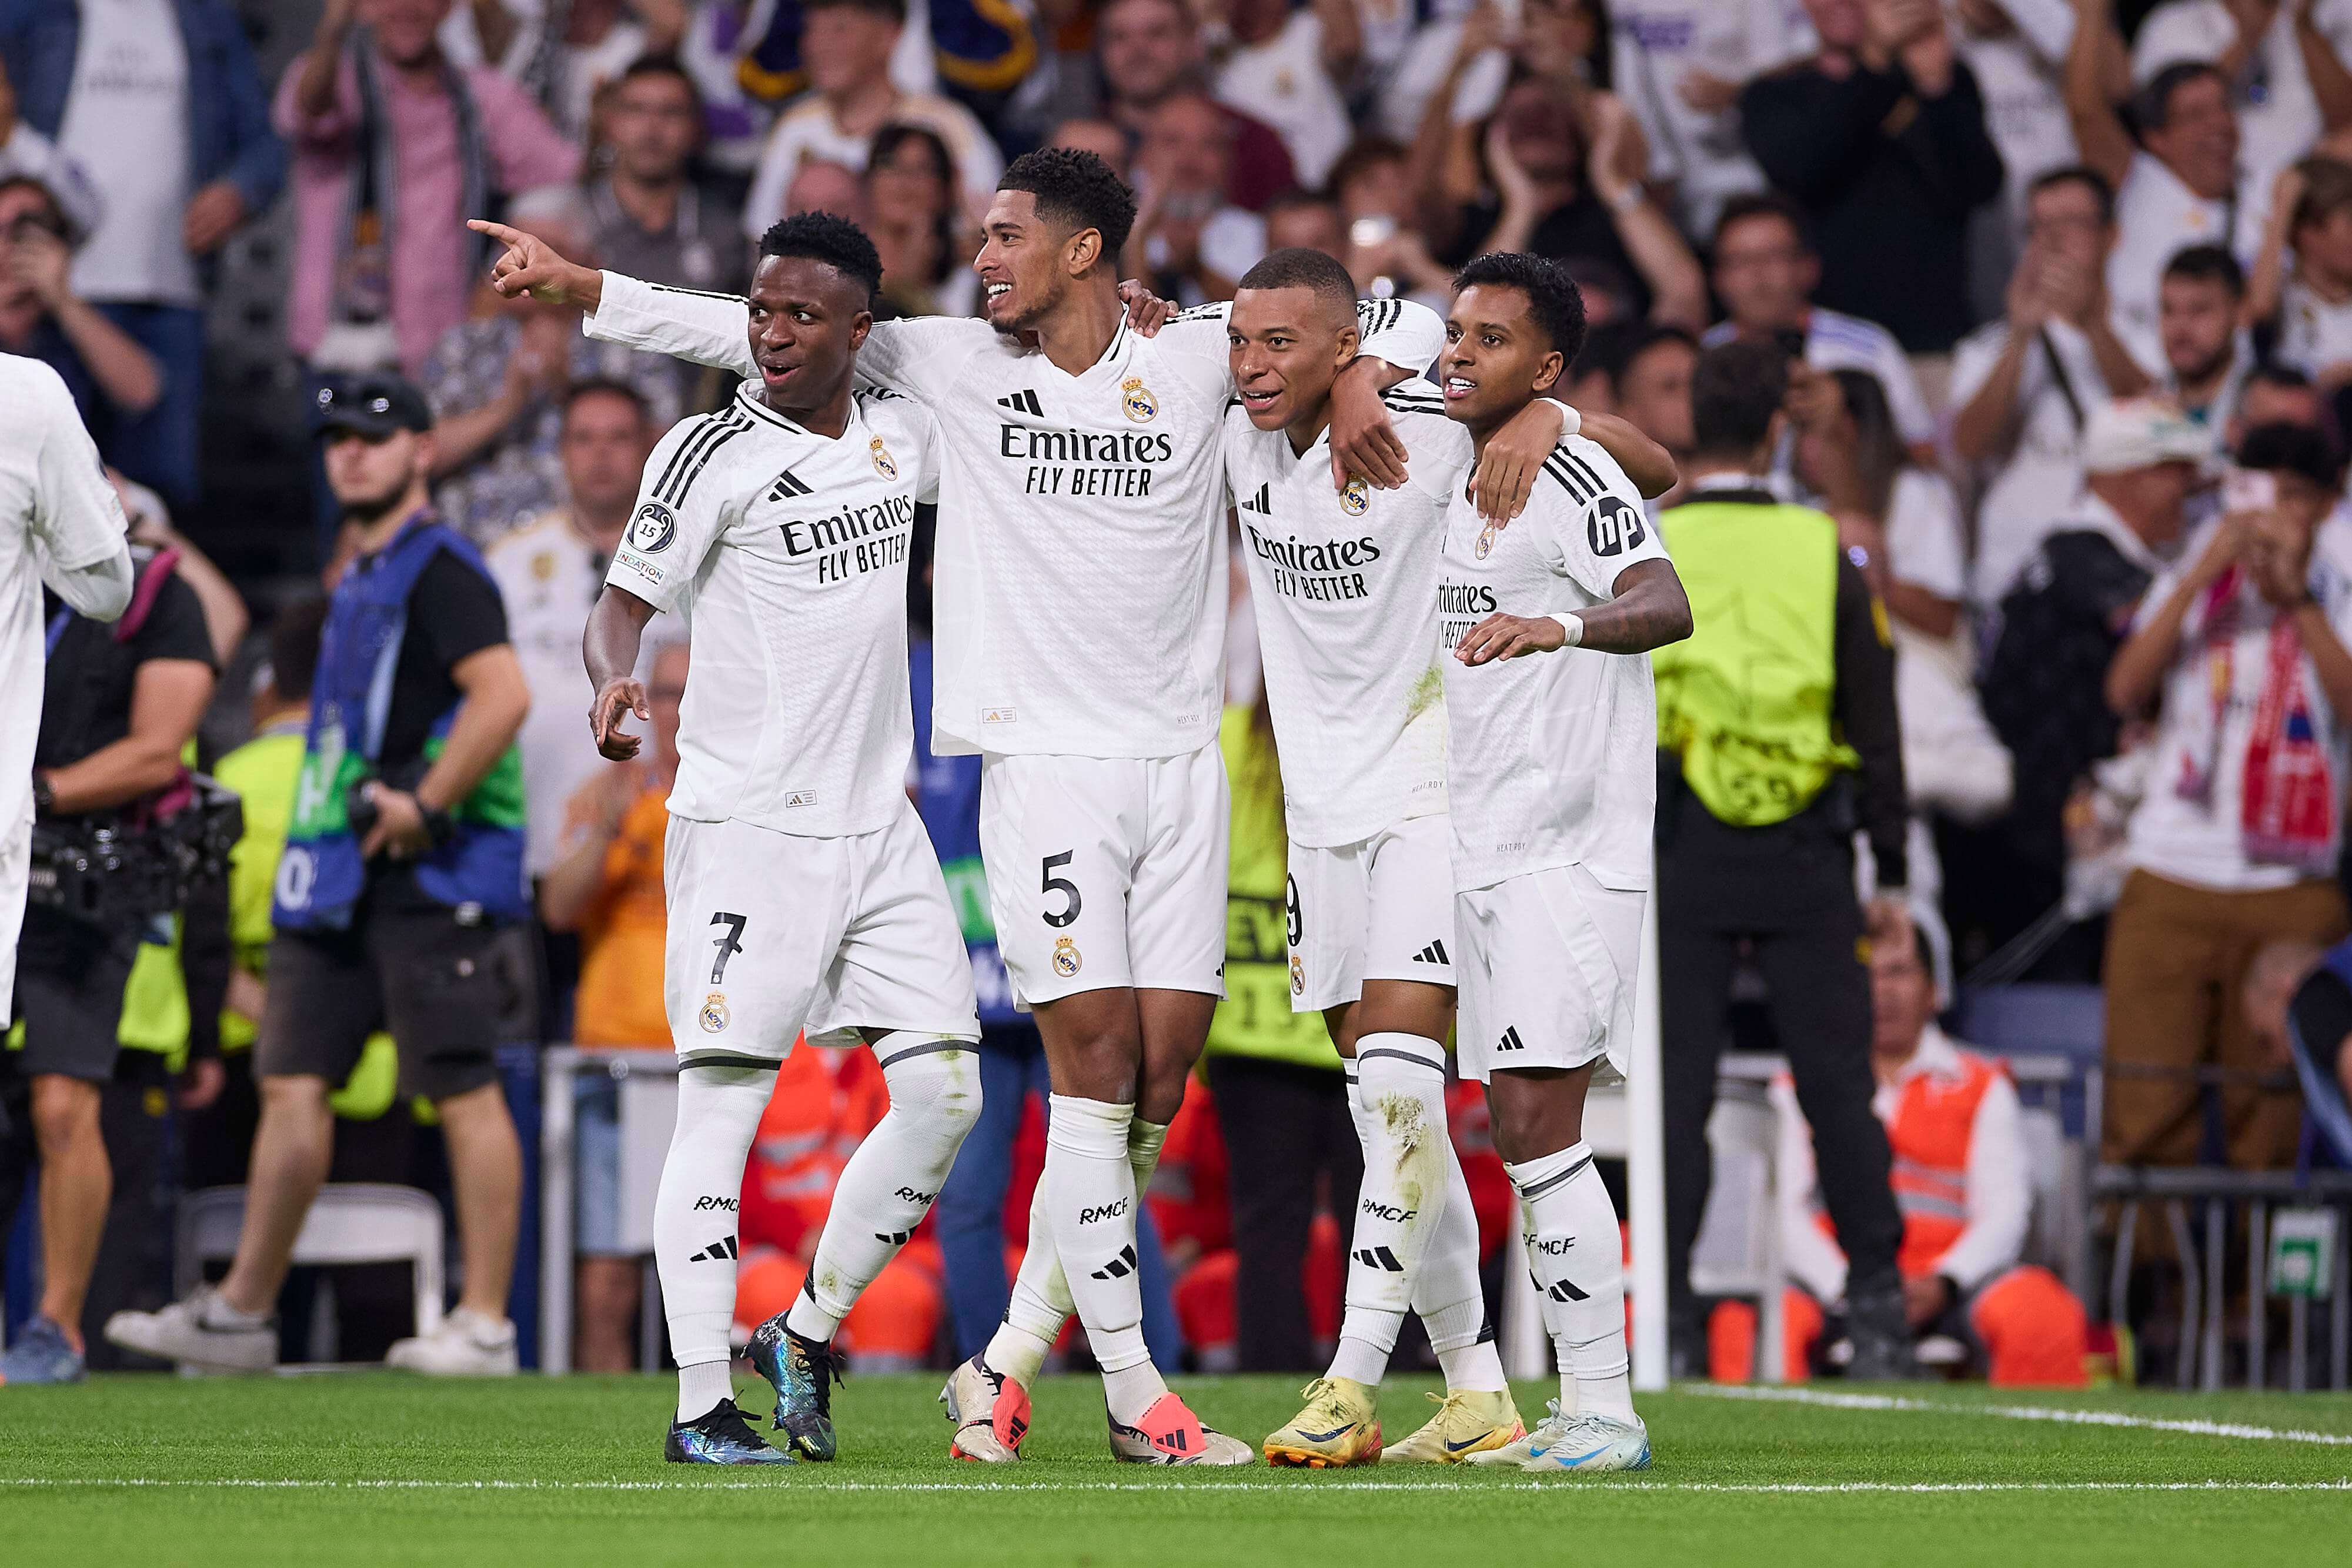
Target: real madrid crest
(882,464)
(1486,541)
(1066,961)
(1356,497)
(1297,977)
(715,1015)
(542,565)
(1136,398)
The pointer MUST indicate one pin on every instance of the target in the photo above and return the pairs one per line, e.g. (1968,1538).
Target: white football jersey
(1344,585)
(785,553)
(1553,756)
(1079,605)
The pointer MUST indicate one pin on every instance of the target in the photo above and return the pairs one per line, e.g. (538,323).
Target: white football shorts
(771,935)
(1547,968)
(1378,909)
(1107,871)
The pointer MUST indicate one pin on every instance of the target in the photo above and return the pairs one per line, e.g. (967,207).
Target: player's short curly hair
(1076,188)
(824,236)
(1553,298)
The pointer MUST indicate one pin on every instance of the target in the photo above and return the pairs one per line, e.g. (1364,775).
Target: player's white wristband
(1573,625)
(1570,421)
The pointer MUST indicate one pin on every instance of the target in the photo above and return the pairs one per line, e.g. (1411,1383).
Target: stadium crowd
(2026,279)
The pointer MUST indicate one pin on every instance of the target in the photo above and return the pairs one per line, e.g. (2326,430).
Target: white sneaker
(184,1332)
(467,1344)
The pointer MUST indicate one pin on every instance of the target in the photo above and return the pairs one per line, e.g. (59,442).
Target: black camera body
(118,873)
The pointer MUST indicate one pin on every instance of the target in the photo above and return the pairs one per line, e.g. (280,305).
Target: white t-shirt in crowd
(2201,842)
(1925,545)
(808,131)
(1079,608)
(2039,480)
(1654,43)
(2156,219)
(1552,758)
(58,514)
(126,123)
(2312,333)
(1281,82)
(1836,341)
(1344,587)
(548,574)
(2020,77)
(2278,118)
(785,553)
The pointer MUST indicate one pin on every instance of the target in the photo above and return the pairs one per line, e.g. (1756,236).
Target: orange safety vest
(1929,1136)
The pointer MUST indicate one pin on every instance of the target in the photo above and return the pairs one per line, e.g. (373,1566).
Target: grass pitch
(378,1468)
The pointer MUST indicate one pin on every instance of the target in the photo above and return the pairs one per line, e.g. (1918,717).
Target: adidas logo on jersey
(1511,1041)
(1432,954)
(720,1252)
(1262,503)
(1023,401)
(1118,1267)
(787,484)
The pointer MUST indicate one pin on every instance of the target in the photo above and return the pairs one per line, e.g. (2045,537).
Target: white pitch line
(2014,1413)
(1302,1488)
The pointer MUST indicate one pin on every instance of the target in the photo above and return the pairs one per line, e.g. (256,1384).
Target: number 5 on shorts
(1061,884)
(728,946)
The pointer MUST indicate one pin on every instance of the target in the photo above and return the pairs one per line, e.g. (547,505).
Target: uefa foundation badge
(714,1016)
(1066,961)
(1136,401)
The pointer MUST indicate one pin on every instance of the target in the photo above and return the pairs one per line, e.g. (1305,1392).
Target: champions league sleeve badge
(882,462)
(651,529)
(1136,401)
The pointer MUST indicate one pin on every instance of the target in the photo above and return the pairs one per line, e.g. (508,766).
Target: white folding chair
(350,1222)
(1737,1252)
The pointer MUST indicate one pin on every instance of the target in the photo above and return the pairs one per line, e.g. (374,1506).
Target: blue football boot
(803,1373)
(720,1437)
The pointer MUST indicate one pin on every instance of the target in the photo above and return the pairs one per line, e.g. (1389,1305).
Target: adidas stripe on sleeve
(677,520)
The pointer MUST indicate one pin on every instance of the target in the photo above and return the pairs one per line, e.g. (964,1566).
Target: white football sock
(890,1182)
(1040,1295)
(1449,1296)
(1399,1110)
(1090,1200)
(718,1110)
(1577,1260)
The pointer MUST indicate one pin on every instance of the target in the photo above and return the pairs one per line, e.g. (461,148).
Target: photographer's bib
(322,876)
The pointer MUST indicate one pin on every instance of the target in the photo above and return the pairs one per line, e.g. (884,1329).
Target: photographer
(403,870)
(118,703)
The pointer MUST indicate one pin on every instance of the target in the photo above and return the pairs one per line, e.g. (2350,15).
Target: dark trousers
(1783,895)
(158,448)
(1288,1138)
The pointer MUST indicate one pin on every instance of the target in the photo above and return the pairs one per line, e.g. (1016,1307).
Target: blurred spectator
(394,147)
(549,569)
(734,122)
(846,45)
(1149,52)
(2236,840)
(1281,1097)
(982,47)
(1189,240)
(118,703)
(2023,387)
(227,620)
(2205,354)
(25,151)
(2016,49)
(1777,734)
(1765,272)
(2284,64)
(1371,188)
(606,885)
(1100,137)
(2177,186)
(916,220)
(159,103)
(498,385)
(42,319)
(1288,67)
(1964,1181)
(1557,170)
(2275,394)
(2311,301)
(824,186)
(1681,63)
(1305,221)
(565,53)
(1641,373)
(1881,139)
(2298,1002)
(649,218)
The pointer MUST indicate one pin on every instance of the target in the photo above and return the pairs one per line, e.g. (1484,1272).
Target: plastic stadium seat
(350,1222)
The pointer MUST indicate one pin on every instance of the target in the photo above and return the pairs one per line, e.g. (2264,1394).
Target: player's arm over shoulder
(925,356)
(684,323)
